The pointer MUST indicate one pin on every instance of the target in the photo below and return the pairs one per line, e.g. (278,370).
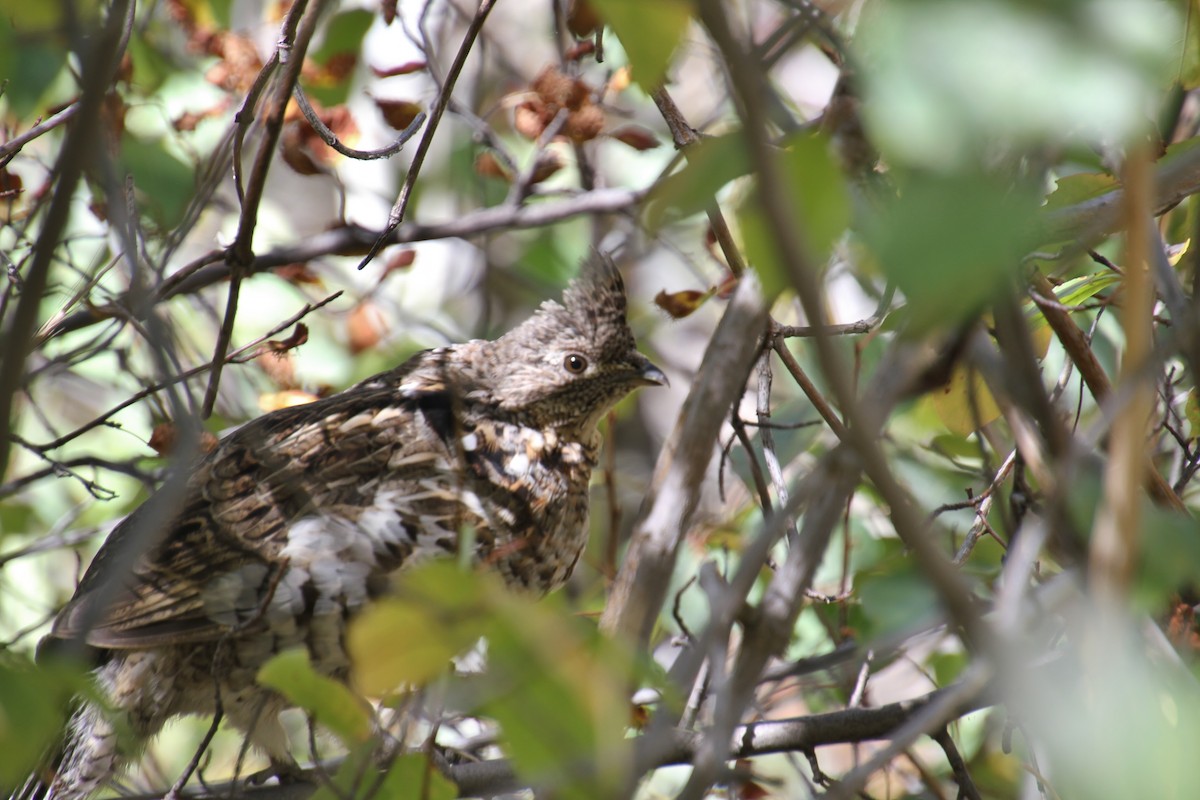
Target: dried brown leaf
(398,113)
(681,304)
(636,137)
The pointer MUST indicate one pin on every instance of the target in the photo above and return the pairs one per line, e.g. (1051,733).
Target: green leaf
(334,706)
(343,39)
(711,163)
(559,692)
(557,687)
(1191,412)
(650,32)
(436,613)
(758,242)
(1170,553)
(343,34)
(164,183)
(950,241)
(29,65)
(1074,292)
(947,80)
(1079,187)
(819,192)
(895,600)
(34,702)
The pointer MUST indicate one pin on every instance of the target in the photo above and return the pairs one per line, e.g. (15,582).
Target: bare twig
(435,117)
(352,239)
(99,59)
(14,145)
(330,138)
(298,29)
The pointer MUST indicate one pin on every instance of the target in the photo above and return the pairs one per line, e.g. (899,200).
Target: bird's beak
(651,375)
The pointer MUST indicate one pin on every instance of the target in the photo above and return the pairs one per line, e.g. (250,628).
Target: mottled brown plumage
(300,517)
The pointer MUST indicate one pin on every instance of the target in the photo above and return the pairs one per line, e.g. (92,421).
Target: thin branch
(14,145)
(349,240)
(99,63)
(966,786)
(330,138)
(183,376)
(298,29)
(439,108)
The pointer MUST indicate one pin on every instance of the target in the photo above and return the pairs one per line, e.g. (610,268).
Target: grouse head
(571,362)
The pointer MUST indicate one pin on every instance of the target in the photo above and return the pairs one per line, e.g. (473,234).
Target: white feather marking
(470,442)
(357,421)
(517,465)
(386,415)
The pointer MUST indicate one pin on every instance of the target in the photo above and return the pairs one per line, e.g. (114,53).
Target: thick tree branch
(855,725)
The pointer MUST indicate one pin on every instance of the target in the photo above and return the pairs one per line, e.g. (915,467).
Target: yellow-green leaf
(711,163)
(1079,187)
(410,638)
(650,32)
(337,708)
(952,402)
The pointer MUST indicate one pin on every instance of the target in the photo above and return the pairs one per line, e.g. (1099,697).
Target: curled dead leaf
(585,124)
(165,436)
(636,137)
(548,163)
(681,304)
(365,326)
(407,68)
(582,19)
(399,114)
(487,165)
(529,118)
(580,49)
(304,150)
(297,272)
(278,366)
(299,336)
(399,261)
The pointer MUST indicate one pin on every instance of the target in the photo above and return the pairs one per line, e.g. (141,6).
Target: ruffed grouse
(300,517)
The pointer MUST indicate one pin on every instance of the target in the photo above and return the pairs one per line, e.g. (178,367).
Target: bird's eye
(575,363)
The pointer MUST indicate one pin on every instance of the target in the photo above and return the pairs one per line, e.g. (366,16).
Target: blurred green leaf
(334,706)
(758,242)
(556,686)
(560,696)
(649,32)
(343,34)
(1191,412)
(342,42)
(950,241)
(436,613)
(29,65)
(948,79)
(34,703)
(946,667)
(895,599)
(711,163)
(1170,556)
(27,18)
(150,68)
(164,183)
(819,191)
(1079,187)
(1115,719)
